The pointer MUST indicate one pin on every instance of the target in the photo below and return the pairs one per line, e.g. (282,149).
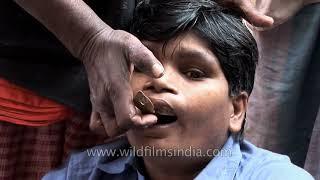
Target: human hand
(109,58)
(279,10)
(250,13)
(265,13)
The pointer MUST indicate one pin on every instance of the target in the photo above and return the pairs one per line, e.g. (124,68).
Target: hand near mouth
(143,103)
(159,108)
(144,109)
(152,112)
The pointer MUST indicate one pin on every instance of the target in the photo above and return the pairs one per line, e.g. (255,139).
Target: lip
(159,131)
(162,107)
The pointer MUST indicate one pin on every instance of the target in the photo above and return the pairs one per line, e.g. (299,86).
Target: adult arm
(108,56)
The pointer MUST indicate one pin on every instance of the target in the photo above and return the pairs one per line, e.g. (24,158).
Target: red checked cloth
(37,134)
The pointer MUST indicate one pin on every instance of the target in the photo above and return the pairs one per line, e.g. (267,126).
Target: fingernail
(157,70)
(136,118)
(153,120)
(270,19)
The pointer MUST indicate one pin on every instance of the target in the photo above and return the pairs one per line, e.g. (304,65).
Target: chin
(144,141)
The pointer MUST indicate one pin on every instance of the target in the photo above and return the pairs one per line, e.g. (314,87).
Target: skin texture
(196,88)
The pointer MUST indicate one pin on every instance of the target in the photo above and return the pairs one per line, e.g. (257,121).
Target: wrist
(73,22)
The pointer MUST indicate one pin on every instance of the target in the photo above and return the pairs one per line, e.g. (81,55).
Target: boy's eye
(194,74)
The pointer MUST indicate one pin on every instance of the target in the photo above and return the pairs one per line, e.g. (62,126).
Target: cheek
(209,109)
(206,119)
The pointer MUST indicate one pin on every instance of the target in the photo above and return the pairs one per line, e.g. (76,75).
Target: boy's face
(193,92)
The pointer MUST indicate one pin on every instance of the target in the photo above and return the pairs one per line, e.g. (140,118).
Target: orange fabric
(24,107)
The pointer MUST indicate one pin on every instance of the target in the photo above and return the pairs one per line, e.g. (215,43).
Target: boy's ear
(239,108)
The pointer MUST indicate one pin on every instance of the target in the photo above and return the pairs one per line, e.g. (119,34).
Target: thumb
(144,60)
(253,16)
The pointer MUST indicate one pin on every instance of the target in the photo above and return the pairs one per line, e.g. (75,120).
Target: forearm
(71,21)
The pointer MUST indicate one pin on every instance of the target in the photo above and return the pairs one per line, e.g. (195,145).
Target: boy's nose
(164,84)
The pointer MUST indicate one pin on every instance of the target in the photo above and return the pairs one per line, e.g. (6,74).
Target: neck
(159,168)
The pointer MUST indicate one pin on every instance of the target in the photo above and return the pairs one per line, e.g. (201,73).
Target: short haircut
(222,29)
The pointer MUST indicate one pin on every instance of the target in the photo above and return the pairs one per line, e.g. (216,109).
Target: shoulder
(262,164)
(82,164)
(280,171)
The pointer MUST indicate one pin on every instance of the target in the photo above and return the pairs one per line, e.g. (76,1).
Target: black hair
(222,28)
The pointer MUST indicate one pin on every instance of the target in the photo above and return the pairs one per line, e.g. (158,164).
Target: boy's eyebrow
(193,53)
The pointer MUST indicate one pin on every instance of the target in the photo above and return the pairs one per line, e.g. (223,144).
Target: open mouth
(164,113)
(165,119)
(158,107)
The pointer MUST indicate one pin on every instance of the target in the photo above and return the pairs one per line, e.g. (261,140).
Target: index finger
(144,59)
